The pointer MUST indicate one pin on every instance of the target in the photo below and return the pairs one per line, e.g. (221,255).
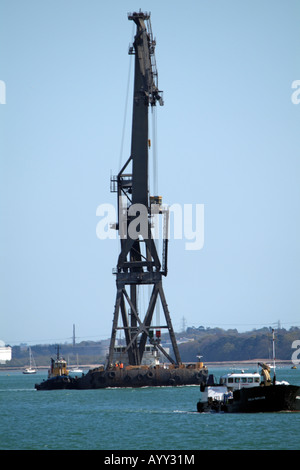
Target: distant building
(5,353)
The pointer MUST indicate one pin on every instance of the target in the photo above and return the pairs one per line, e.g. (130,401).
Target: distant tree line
(85,352)
(213,344)
(216,344)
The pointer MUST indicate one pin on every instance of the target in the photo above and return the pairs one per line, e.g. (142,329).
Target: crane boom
(145,93)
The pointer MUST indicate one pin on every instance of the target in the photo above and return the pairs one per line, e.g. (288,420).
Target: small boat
(293,367)
(76,370)
(32,367)
(248,393)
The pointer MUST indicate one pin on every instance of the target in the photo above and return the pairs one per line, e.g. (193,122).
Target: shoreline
(249,362)
(252,362)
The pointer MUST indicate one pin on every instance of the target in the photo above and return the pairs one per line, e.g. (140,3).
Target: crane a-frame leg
(136,337)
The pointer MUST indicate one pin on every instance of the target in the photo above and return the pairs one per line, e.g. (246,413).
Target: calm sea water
(133,419)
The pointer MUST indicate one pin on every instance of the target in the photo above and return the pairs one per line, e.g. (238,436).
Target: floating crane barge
(138,263)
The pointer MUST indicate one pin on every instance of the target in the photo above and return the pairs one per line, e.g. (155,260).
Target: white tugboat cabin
(235,381)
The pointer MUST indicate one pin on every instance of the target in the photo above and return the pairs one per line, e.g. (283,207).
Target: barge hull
(136,378)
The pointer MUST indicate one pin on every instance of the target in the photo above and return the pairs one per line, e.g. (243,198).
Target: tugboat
(245,393)
(58,375)
(249,393)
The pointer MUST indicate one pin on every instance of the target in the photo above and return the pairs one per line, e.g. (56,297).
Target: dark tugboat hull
(258,400)
(266,399)
(136,378)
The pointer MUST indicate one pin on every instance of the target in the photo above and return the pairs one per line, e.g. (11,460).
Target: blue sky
(228,138)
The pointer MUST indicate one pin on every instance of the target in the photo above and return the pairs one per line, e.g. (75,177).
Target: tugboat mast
(138,262)
(273,343)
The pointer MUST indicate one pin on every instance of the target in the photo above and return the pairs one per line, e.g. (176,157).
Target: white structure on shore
(5,352)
